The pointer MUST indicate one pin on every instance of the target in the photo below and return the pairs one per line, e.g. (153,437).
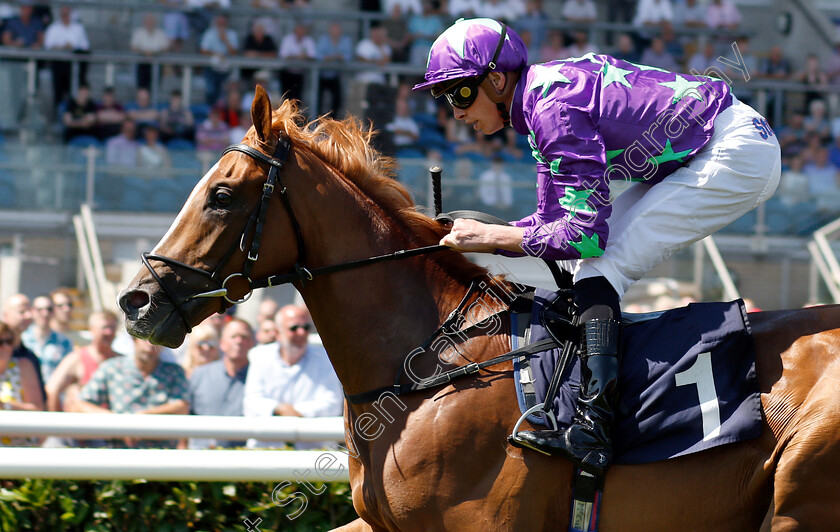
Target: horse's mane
(345,146)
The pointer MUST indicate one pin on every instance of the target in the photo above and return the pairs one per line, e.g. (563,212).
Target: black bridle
(256,221)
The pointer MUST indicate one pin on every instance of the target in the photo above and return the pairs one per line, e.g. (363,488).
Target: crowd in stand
(222,369)
(667,34)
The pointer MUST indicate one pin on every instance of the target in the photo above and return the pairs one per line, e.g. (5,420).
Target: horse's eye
(223,198)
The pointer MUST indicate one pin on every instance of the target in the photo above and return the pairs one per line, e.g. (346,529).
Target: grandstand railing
(825,258)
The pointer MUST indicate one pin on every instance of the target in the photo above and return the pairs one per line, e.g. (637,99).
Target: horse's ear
(261,114)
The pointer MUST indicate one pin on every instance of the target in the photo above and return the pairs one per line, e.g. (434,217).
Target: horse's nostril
(133,301)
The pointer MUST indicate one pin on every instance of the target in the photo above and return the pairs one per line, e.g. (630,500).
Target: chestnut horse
(440,459)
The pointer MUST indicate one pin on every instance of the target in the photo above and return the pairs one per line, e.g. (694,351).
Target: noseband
(257,222)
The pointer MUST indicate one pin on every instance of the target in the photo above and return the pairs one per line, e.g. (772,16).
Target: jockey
(698,159)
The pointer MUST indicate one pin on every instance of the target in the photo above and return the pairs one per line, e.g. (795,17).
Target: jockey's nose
(134,303)
(459,114)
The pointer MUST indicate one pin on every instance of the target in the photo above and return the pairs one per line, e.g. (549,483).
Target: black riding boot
(587,442)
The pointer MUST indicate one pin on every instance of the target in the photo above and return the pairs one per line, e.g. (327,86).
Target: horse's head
(203,263)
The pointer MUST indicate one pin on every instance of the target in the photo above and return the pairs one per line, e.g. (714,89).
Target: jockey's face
(482,115)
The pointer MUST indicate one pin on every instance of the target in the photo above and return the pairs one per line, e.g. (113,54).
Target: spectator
(792,136)
(793,185)
(142,110)
(267,332)
(203,347)
(217,388)
(657,56)
(691,15)
(832,67)
(213,134)
(110,114)
(176,120)
(504,10)
(626,49)
(238,133)
(66,35)
(463,8)
(580,45)
(423,29)
(495,189)
(534,22)
(258,43)
(48,345)
(24,30)
(80,116)
(291,377)
(296,46)
(723,14)
(142,384)
(702,60)
(404,130)
(817,121)
(813,76)
(373,50)
(219,42)
(397,35)
(17,314)
(78,367)
(267,310)
(653,13)
(200,13)
(580,11)
(775,66)
(63,314)
(834,152)
(823,182)
(148,40)
(19,389)
(152,154)
(408,7)
(267,20)
(334,47)
(553,46)
(813,147)
(263,79)
(673,45)
(231,105)
(122,149)
(175,24)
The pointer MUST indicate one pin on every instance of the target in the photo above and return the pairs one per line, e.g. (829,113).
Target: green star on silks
(576,201)
(588,246)
(682,88)
(648,67)
(546,77)
(535,151)
(554,167)
(668,154)
(614,74)
(612,154)
(589,56)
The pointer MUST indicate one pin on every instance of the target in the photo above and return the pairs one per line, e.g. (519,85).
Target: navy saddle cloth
(687,380)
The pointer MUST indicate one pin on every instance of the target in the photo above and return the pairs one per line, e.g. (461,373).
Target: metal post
(729,290)
(90,175)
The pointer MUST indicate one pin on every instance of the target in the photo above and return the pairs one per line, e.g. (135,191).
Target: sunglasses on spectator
(306,327)
(207,343)
(43,309)
(7,341)
(64,305)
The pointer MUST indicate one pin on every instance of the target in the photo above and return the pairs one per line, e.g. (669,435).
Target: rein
(256,221)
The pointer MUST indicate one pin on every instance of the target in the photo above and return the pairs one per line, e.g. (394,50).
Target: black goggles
(463,93)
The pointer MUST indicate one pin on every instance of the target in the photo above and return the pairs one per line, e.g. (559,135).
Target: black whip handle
(435,171)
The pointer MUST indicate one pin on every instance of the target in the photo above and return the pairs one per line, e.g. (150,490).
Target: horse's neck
(371,319)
